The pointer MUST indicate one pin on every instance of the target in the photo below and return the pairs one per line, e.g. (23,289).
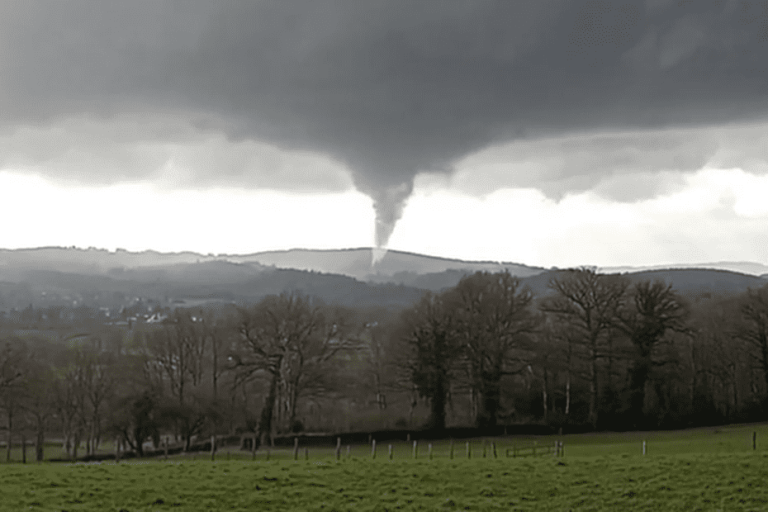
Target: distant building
(156,318)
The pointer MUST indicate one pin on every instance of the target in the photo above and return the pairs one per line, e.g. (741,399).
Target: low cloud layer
(381,90)
(623,166)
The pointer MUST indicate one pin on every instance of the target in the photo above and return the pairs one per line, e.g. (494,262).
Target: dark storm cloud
(388,88)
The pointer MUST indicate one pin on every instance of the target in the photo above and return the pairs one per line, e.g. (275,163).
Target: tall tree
(96,381)
(430,352)
(133,412)
(376,355)
(753,329)
(13,355)
(306,369)
(178,354)
(494,321)
(588,303)
(550,362)
(38,401)
(35,389)
(655,309)
(288,338)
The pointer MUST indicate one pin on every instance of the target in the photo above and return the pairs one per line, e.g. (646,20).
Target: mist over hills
(100,278)
(356,263)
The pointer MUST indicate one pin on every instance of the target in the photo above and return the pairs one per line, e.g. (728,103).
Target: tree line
(595,352)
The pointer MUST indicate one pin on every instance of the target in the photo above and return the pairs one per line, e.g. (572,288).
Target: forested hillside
(576,349)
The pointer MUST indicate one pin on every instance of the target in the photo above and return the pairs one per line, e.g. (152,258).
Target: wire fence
(247,448)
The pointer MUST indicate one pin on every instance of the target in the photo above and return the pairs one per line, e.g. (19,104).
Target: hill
(394,266)
(99,278)
(691,282)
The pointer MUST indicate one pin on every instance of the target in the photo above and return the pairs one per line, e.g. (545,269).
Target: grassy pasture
(664,482)
(699,469)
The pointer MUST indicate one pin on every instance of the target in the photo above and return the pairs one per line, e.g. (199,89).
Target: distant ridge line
(740,267)
(398,251)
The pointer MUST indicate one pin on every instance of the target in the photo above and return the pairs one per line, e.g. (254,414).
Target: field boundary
(535,450)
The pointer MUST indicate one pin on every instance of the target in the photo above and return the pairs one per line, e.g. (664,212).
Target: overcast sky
(546,132)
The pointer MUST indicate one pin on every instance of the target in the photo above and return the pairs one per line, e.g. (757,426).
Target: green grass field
(703,469)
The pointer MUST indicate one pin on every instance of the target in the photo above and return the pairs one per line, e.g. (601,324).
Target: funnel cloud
(383,90)
(389,204)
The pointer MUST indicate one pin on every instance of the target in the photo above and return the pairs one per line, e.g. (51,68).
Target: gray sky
(622,100)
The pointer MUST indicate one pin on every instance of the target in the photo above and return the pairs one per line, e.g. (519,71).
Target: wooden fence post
(469,451)
(493,446)
(213,447)
(754,440)
(390,452)
(38,450)
(644,450)
(373,449)
(430,451)
(295,448)
(415,449)
(451,449)
(338,448)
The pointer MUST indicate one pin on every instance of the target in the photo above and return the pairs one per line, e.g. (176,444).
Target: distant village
(136,310)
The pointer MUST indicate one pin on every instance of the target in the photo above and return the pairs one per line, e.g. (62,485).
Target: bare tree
(552,361)
(717,352)
(289,338)
(177,353)
(177,350)
(378,352)
(308,365)
(94,376)
(38,403)
(430,353)
(494,321)
(655,310)
(753,329)
(589,303)
(84,385)
(12,375)
(216,334)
